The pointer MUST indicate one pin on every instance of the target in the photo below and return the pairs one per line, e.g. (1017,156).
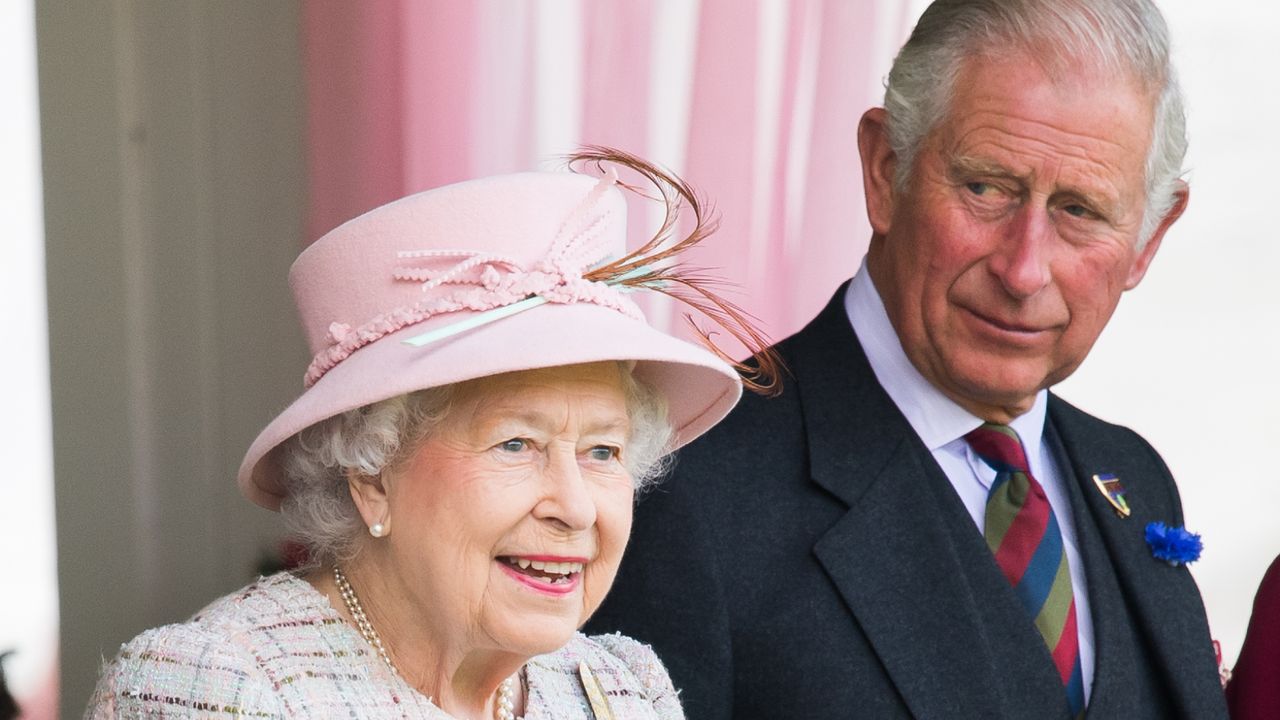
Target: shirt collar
(936,418)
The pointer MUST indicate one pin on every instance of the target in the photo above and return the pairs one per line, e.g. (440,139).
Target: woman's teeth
(553,571)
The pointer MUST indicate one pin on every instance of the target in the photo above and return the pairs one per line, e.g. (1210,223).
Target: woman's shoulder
(278,609)
(264,602)
(639,658)
(218,661)
(182,670)
(628,672)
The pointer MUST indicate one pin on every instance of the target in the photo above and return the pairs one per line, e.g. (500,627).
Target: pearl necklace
(505,709)
(362,621)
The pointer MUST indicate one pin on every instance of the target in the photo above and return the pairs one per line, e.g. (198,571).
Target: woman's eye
(514,445)
(603,453)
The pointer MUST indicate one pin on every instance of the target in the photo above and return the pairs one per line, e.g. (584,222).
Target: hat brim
(699,388)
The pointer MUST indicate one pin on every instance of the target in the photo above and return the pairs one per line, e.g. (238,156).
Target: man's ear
(369,492)
(878,166)
(1138,270)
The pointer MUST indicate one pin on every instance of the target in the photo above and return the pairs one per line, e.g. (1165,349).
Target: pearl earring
(377,530)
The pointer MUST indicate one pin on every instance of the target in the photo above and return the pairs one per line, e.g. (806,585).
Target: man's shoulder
(1080,427)
(825,345)
(756,425)
(1094,446)
(768,434)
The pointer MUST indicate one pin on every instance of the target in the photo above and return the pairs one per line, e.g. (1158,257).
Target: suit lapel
(1163,601)
(908,591)
(906,557)
(1120,687)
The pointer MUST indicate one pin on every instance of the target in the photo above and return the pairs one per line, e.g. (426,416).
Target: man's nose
(1021,260)
(567,500)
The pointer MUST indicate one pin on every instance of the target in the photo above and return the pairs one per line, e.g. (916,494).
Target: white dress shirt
(942,425)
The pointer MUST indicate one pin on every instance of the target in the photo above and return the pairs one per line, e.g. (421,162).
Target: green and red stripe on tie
(1022,531)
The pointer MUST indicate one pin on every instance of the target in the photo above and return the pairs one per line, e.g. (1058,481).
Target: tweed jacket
(277,649)
(808,558)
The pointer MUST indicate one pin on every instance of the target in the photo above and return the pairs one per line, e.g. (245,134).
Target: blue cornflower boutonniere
(1173,545)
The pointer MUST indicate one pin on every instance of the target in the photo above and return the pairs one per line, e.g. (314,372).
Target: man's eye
(603,453)
(979,188)
(1077,211)
(513,445)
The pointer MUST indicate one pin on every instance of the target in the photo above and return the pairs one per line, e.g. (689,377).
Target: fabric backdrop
(756,103)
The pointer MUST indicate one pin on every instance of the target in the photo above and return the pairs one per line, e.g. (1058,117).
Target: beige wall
(174,189)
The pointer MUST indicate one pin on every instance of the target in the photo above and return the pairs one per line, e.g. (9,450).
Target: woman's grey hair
(318,509)
(1128,38)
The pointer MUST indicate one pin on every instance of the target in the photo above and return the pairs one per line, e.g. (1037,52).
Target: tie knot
(1000,447)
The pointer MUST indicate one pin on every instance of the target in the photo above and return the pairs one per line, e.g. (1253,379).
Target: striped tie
(1022,532)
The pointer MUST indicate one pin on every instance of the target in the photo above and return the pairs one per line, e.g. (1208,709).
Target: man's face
(1005,256)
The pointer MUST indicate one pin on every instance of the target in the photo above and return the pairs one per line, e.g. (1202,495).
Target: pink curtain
(755,102)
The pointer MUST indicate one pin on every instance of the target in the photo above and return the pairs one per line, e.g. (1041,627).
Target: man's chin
(994,396)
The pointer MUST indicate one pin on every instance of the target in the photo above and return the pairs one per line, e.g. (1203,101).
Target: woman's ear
(369,493)
(879,164)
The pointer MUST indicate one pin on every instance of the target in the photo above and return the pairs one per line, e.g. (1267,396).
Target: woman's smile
(546,574)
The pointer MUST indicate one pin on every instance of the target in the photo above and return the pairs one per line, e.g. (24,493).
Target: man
(916,527)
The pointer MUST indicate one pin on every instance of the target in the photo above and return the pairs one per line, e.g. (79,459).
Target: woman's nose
(567,499)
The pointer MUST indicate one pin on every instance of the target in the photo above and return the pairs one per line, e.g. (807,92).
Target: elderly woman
(484,400)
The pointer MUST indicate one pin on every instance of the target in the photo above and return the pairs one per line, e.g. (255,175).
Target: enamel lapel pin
(1111,489)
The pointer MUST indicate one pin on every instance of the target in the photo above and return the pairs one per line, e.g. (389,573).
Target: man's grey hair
(1127,38)
(318,509)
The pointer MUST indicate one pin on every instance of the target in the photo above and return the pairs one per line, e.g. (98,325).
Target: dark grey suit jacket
(809,559)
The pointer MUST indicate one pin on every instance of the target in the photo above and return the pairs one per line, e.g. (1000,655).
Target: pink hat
(476,279)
